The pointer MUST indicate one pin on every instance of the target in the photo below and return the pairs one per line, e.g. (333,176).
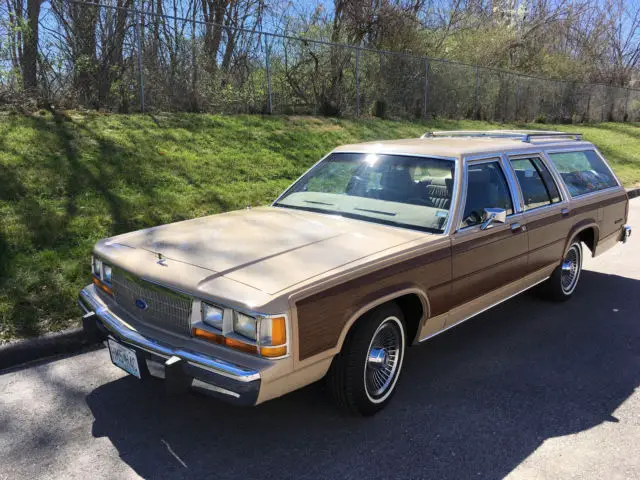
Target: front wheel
(564,279)
(363,376)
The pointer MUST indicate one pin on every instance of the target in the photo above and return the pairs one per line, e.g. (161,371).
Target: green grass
(67,180)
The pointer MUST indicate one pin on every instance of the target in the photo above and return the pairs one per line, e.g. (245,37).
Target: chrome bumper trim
(626,233)
(116,326)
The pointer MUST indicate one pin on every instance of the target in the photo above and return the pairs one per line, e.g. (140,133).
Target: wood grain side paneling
(322,316)
(484,264)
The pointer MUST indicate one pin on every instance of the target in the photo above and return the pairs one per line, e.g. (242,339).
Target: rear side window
(583,172)
(536,183)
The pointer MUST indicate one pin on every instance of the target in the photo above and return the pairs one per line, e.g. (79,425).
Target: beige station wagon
(377,247)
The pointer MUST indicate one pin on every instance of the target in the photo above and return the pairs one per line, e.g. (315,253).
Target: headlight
(96,267)
(245,325)
(101,270)
(101,274)
(106,274)
(263,334)
(212,315)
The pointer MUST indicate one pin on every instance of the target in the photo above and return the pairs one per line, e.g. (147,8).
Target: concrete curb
(49,345)
(633,192)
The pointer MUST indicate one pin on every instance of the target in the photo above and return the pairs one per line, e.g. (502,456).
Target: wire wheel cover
(383,359)
(570,269)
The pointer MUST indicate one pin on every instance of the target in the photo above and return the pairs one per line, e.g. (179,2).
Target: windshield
(410,192)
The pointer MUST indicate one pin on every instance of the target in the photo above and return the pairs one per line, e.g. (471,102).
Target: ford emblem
(141,304)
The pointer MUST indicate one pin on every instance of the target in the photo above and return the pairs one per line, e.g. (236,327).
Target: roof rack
(522,135)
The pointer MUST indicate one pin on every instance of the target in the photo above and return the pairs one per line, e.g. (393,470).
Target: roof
(459,143)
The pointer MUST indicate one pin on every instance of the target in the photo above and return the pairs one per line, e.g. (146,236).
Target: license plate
(124,357)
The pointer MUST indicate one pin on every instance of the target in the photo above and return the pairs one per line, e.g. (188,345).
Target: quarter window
(486,188)
(536,183)
(583,172)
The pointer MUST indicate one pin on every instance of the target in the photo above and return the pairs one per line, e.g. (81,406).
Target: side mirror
(491,215)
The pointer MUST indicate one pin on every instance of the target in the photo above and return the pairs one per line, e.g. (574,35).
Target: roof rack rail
(522,135)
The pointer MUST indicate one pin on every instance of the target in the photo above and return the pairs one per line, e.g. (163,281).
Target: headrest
(479,175)
(396,179)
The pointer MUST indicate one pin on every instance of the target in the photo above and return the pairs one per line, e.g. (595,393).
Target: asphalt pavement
(529,389)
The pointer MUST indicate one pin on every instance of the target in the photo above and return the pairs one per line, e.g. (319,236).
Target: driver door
(485,259)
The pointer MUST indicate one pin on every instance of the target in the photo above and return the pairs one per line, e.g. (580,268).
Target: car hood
(266,248)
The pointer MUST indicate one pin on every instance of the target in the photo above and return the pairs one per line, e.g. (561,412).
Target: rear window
(583,172)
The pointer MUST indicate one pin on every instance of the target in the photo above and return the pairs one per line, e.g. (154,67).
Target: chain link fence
(121,59)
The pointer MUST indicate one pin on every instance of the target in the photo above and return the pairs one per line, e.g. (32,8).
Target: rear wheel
(564,279)
(363,376)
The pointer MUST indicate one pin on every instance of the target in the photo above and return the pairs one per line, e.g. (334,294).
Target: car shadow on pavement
(474,402)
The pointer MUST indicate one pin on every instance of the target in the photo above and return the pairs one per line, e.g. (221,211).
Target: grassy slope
(69,180)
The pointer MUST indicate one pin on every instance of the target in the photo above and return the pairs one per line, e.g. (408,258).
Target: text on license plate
(124,357)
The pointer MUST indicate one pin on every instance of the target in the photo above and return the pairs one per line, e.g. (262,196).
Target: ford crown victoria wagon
(377,247)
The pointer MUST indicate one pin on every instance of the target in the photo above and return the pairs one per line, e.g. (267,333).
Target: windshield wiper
(379,212)
(307,209)
(319,203)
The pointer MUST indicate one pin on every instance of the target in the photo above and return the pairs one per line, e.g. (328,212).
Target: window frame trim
(552,172)
(508,175)
(584,148)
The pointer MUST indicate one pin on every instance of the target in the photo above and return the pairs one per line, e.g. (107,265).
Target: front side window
(486,188)
(583,172)
(410,192)
(536,183)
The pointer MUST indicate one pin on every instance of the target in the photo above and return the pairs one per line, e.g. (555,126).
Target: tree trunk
(214,12)
(85,18)
(113,62)
(30,47)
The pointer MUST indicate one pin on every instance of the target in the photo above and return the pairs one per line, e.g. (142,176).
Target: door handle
(516,227)
(565,212)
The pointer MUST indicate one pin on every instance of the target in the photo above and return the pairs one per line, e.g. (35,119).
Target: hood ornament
(161,260)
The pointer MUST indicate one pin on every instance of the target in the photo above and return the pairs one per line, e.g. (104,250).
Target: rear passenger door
(545,211)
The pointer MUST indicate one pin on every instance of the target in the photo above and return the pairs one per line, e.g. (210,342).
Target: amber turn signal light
(278,331)
(239,345)
(102,286)
(222,340)
(209,336)
(273,351)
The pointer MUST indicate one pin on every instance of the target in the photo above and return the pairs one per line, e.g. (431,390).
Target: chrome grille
(152,304)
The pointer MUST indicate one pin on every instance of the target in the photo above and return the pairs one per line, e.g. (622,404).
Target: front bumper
(180,367)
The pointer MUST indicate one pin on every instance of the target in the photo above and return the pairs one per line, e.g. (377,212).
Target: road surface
(526,390)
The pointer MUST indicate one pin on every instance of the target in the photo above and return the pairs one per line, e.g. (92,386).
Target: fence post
(626,106)
(194,63)
(140,72)
(357,82)
(475,103)
(266,61)
(517,106)
(426,88)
